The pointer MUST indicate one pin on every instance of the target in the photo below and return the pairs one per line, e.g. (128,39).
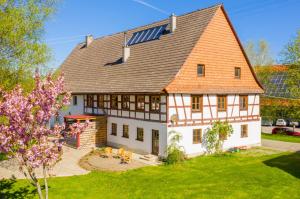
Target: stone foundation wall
(93,136)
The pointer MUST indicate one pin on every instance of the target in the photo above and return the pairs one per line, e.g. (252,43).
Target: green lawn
(280,137)
(242,175)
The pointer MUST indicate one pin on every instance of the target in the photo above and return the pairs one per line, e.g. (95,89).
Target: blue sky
(275,21)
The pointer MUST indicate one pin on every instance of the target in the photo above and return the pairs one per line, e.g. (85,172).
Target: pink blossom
(24,131)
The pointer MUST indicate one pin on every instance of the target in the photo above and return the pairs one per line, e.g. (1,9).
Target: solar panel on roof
(147,35)
(278,87)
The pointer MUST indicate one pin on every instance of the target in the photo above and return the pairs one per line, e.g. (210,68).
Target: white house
(178,74)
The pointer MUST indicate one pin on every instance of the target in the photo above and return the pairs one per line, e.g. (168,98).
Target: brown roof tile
(150,67)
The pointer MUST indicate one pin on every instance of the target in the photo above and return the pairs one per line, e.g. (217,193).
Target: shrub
(2,156)
(212,140)
(175,152)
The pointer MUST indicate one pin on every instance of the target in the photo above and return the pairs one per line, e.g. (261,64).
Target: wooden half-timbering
(132,112)
(180,106)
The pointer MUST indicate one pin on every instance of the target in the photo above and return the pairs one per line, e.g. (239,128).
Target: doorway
(155,142)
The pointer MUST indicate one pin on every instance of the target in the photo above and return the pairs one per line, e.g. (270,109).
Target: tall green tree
(291,56)
(259,53)
(21,47)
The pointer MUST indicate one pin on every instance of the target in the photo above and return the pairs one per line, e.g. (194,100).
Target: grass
(2,157)
(280,137)
(240,175)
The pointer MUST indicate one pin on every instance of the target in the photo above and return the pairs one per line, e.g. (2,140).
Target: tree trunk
(37,184)
(45,181)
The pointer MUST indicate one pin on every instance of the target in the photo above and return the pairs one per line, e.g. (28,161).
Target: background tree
(24,130)
(291,56)
(21,47)
(259,53)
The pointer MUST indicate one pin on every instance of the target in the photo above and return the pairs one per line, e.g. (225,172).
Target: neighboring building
(178,74)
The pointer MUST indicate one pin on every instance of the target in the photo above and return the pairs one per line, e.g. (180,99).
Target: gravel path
(282,146)
(68,166)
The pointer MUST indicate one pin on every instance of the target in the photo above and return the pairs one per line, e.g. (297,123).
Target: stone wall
(93,136)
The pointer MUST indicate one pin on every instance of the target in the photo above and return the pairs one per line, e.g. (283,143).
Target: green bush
(175,152)
(2,156)
(212,141)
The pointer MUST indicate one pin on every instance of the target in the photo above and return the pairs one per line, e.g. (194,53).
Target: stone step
(150,158)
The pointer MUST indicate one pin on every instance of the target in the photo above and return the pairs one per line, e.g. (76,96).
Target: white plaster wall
(253,139)
(70,110)
(131,142)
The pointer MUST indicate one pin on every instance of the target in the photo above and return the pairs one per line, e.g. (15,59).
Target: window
(114,102)
(237,72)
(197,103)
(155,103)
(100,101)
(200,70)
(125,131)
(140,102)
(222,103)
(197,136)
(90,101)
(140,134)
(74,100)
(243,102)
(113,129)
(126,102)
(244,131)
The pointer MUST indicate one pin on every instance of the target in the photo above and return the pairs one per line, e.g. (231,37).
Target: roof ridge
(198,10)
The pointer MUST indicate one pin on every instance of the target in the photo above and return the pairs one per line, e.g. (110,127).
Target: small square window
(90,101)
(100,101)
(197,103)
(197,136)
(200,70)
(126,102)
(140,103)
(237,72)
(244,131)
(155,103)
(243,102)
(140,134)
(222,103)
(114,101)
(74,100)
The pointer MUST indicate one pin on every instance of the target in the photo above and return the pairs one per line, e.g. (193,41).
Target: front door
(155,142)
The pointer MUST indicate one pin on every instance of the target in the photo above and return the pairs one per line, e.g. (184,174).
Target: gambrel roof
(151,66)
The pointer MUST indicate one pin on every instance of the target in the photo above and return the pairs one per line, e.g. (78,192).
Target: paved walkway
(282,146)
(68,166)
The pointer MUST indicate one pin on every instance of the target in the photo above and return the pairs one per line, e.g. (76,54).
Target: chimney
(88,40)
(172,23)
(126,50)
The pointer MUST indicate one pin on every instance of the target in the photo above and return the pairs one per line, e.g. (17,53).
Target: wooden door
(155,142)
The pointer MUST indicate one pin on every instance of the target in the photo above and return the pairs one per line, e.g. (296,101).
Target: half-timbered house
(178,74)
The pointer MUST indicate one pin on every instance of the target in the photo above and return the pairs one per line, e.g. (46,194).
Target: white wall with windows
(253,138)
(145,146)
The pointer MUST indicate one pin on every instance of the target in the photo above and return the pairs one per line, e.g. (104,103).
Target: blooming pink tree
(24,127)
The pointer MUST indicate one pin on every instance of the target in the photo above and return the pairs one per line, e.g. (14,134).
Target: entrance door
(155,142)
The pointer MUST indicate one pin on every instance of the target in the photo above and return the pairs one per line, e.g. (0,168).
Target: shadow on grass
(288,163)
(9,190)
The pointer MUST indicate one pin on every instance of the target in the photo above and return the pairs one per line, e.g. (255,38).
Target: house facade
(180,74)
